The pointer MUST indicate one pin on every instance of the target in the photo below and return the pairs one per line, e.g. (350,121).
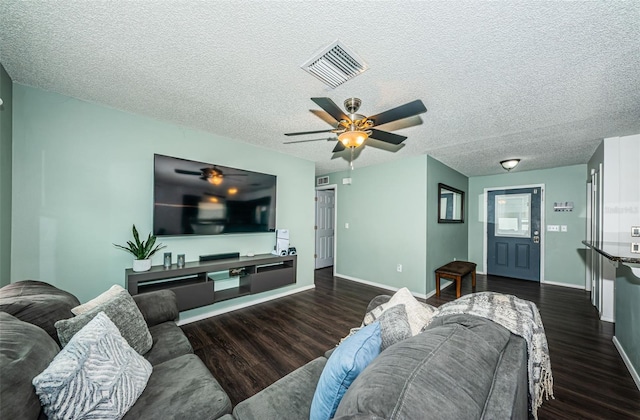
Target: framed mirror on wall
(450,204)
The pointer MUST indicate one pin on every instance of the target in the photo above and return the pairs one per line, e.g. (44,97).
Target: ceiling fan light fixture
(509,164)
(215,179)
(353,139)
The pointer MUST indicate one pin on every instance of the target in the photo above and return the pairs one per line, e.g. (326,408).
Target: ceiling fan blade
(324,116)
(308,132)
(331,108)
(388,147)
(403,123)
(184,172)
(305,141)
(386,137)
(403,111)
(339,147)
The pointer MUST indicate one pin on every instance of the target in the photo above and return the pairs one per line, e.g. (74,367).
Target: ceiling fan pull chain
(351,160)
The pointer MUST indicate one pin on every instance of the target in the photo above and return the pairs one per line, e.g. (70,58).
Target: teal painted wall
(628,314)
(444,241)
(6,93)
(385,207)
(392,214)
(564,252)
(83,174)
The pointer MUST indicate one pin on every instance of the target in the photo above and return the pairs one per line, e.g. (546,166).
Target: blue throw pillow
(343,367)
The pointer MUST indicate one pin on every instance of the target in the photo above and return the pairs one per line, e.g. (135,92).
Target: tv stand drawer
(273,279)
(194,296)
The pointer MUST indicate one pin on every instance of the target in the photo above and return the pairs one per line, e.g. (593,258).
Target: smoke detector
(335,64)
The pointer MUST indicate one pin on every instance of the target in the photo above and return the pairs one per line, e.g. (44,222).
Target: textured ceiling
(542,81)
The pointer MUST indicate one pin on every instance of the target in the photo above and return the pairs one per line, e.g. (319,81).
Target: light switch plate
(635,230)
(635,248)
(553,228)
(563,228)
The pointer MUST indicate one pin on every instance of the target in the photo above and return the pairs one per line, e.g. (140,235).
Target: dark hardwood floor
(249,349)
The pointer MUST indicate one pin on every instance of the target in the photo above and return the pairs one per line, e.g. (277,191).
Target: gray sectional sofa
(460,367)
(180,385)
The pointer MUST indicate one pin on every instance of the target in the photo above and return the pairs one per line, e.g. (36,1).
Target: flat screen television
(197,198)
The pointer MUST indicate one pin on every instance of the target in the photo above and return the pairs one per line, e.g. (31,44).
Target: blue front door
(513,233)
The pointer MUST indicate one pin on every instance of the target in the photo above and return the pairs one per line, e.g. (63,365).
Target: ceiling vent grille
(323,180)
(335,64)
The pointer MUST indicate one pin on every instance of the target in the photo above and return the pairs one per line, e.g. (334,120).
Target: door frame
(588,277)
(333,187)
(543,228)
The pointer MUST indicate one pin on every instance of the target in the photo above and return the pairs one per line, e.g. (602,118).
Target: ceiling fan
(354,129)
(213,174)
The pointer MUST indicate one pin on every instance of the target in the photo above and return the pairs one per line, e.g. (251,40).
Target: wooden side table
(456,270)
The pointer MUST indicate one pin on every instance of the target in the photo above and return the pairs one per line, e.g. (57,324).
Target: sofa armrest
(288,398)
(158,307)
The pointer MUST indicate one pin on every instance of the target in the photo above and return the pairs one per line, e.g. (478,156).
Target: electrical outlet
(346,225)
(635,248)
(553,228)
(399,268)
(635,230)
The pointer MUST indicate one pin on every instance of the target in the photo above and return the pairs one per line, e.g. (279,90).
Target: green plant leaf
(141,250)
(136,237)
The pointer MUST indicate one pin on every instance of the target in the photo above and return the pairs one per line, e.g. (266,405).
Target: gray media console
(203,283)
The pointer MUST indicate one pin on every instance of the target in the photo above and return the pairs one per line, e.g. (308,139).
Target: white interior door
(325,222)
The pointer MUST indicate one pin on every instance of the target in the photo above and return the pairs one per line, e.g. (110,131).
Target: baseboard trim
(242,305)
(551,283)
(555,283)
(444,284)
(627,362)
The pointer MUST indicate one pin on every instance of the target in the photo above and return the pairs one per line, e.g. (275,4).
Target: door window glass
(513,215)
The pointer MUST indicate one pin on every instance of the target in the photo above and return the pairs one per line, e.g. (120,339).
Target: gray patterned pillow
(123,312)
(419,314)
(97,375)
(394,326)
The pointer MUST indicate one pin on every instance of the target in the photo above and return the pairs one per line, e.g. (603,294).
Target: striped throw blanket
(522,318)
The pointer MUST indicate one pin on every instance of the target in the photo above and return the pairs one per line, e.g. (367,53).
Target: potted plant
(142,251)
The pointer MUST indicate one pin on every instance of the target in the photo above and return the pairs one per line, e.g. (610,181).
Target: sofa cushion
(96,375)
(98,300)
(446,372)
(181,388)
(342,368)
(484,329)
(158,306)
(123,312)
(168,342)
(38,303)
(290,395)
(25,351)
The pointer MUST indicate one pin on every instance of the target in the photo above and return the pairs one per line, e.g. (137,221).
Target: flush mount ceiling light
(509,164)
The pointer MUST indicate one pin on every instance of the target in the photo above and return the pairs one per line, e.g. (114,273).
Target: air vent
(335,64)
(323,180)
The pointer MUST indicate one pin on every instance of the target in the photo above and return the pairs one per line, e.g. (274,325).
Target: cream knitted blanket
(522,318)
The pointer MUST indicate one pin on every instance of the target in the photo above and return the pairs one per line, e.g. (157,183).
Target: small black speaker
(292,250)
(213,257)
